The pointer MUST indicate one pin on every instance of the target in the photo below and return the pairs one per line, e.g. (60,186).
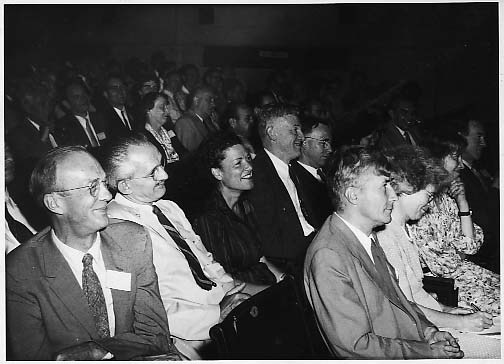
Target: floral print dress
(438,236)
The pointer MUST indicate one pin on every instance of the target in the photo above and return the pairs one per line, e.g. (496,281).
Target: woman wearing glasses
(446,233)
(416,178)
(227,227)
(159,127)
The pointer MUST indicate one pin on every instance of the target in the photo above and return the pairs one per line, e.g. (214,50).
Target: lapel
(116,261)
(198,124)
(62,282)
(272,176)
(32,134)
(78,133)
(348,239)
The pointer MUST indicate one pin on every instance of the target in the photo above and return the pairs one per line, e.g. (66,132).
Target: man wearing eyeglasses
(196,291)
(120,120)
(82,289)
(307,170)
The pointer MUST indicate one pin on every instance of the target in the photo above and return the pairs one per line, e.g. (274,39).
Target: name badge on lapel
(101,136)
(119,280)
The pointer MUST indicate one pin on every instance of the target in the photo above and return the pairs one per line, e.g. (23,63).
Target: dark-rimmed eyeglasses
(325,143)
(94,187)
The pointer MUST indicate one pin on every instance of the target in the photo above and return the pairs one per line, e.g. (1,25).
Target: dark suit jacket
(314,195)
(47,310)
(392,137)
(115,125)
(70,131)
(279,227)
(190,130)
(357,315)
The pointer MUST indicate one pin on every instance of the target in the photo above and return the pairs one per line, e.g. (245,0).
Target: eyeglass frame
(97,182)
(409,193)
(325,143)
(150,175)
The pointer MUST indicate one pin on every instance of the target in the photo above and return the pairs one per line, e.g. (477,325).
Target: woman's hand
(457,192)
(476,321)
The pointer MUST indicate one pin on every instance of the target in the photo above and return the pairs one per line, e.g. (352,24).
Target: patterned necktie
(91,136)
(95,298)
(197,272)
(125,120)
(381,267)
(18,229)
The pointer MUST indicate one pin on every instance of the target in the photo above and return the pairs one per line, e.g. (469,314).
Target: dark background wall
(450,49)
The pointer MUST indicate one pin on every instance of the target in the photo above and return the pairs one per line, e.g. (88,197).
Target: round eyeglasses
(94,187)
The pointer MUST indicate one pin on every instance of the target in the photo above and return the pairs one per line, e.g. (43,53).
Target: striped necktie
(197,272)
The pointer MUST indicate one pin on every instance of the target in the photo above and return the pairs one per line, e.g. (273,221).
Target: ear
(53,203)
(217,173)
(270,132)
(351,195)
(232,122)
(123,187)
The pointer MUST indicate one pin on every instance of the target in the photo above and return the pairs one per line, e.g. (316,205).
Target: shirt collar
(34,124)
(199,117)
(119,110)
(281,167)
(137,207)
(313,171)
(364,239)
(75,256)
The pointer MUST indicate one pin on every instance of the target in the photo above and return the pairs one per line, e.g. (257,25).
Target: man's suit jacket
(356,316)
(392,137)
(279,227)
(48,312)
(115,125)
(70,131)
(314,195)
(191,131)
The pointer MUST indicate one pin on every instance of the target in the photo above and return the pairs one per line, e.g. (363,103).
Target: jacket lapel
(61,280)
(358,251)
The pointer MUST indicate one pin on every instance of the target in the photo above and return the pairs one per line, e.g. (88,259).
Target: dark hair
(43,176)
(308,123)
(147,102)
(115,153)
(75,82)
(212,150)
(444,141)
(347,165)
(231,112)
(267,113)
(415,166)
(197,93)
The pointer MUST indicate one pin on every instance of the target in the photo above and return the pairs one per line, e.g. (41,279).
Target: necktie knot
(87,260)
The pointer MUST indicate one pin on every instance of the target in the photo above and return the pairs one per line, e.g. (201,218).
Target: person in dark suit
(120,120)
(195,125)
(281,219)
(482,193)
(307,170)
(402,127)
(360,309)
(81,127)
(91,291)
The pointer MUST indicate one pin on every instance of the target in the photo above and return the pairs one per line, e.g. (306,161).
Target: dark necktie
(95,298)
(197,272)
(381,267)
(91,136)
(407,137)
(18,229)
(322,175)
(299,190)
(125,120)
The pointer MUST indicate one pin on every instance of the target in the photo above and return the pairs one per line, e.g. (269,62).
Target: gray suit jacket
(48,312)
(357,317)
(191,131)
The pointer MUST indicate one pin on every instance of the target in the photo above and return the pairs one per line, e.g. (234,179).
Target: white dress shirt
(120,112)
(191,310)
(282,170)
(82,122)
(10,240)
(403,133)
(364,239)
(74,260)
(51,138)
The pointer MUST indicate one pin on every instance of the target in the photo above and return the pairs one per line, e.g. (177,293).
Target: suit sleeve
(343,318)
(27,338)
(186,134)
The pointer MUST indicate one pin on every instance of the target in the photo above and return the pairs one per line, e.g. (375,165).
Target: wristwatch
(465,213)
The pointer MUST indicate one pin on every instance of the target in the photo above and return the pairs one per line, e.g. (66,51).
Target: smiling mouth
(247,176)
